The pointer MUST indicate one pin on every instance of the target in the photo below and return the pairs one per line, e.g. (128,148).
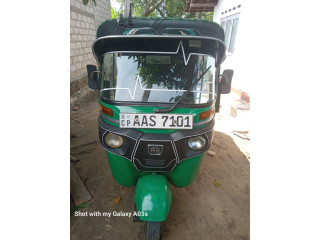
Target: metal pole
(126,7)
(122,7)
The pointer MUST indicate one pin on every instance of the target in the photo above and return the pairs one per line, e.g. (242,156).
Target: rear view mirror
(226,79)
(93,77)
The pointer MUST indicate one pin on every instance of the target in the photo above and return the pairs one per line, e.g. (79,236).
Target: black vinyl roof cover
(111,36)
(205,28)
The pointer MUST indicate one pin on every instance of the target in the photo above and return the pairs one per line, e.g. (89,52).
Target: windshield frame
(163,104)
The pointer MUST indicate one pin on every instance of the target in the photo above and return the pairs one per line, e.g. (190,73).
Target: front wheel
(153,230)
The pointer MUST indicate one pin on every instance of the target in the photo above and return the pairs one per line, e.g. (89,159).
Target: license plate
(150,120)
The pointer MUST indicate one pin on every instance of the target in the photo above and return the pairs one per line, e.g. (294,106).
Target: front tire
(153,230)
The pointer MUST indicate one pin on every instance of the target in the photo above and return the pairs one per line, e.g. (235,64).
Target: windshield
(156,78)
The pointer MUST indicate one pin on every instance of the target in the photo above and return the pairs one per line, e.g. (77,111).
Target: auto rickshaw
(159,88)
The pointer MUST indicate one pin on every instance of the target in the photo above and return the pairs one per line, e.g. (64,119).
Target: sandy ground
(199,211)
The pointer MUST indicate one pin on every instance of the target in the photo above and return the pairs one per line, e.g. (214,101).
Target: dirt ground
(199,211)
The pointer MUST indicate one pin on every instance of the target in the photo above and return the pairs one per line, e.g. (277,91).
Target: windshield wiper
(164,110)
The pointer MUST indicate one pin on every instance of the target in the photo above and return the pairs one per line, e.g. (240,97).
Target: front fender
(153,197)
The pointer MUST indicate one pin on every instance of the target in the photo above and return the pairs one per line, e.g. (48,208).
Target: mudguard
(153,198)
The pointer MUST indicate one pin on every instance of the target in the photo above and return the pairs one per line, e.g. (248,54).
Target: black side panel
(185,152)
(130,138)
(181,141)
(168,149)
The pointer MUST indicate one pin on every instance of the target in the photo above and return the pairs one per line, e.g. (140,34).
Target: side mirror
(93,77)
(226,79)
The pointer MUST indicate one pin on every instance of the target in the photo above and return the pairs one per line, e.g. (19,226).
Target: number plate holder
(156,121)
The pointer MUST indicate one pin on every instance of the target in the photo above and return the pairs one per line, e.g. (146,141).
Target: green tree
(114,13)
(85,2)
(165,8)
(171,76)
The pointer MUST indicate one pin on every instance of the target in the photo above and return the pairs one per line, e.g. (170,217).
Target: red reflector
(106,111)
(206,114)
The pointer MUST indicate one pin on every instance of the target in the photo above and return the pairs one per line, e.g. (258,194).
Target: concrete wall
(84,21)
(234,60)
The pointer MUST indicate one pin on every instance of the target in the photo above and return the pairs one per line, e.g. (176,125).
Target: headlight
(196,143)
(113,140)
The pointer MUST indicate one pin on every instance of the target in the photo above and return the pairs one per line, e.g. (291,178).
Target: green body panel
(123,171)
(185,172)
(126,174)
(132,109)
(153,197)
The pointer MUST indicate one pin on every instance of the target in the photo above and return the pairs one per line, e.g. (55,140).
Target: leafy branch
(85,2)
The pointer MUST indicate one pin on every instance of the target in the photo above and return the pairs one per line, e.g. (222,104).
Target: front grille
(144,161)
(155,162)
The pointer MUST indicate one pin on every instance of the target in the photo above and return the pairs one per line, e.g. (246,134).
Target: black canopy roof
(159,35)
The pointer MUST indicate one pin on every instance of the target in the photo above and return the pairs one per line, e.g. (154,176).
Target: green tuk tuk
(159,87)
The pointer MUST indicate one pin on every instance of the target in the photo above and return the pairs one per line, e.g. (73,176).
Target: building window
(228,33)
(223,25)
(230,27)
(233,34)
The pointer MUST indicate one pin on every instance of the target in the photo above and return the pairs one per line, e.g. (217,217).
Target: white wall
(233,60)
(224,5)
